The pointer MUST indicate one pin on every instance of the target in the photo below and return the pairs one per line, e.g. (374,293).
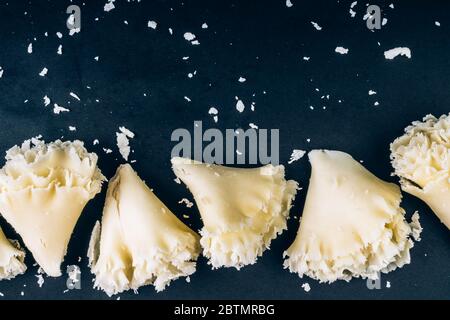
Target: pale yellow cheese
(242,210)
(352,223)
(43,190)
(140,241)
(421,158)
(11,258)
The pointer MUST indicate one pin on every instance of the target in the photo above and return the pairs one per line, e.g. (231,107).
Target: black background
(263,41)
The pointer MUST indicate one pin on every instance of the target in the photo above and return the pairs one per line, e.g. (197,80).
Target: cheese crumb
(152,24)
(30,48)
(240,106)
(44,72)
(58,109)
(341,50)
(316,25)
(109,6)
(306,287)
(402,51)
(188,203)
(296,155)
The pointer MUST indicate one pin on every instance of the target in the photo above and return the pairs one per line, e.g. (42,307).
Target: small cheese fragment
(140,241)
(243,210)
(11,258)
(421,158)
(352,223)
(43,190)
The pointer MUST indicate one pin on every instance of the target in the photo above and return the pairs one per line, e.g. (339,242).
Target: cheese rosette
(421,158)
(140,241)
(11,258)
(242,210)
(43,190)
(352,223)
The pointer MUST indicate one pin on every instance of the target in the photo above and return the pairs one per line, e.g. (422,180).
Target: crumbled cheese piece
(240,106)
(107,151)
(388,284)
(30,48)
(127,132)
(188,203)
(73,95)
(40,280)
(437,23)
(152,24)
(72,128)
(109,6)
(341,50)
(353,13)
(44,72)
(189,36)
(95,142)
(306,287)
(1,72)
(59,51)
(241,79)
(204,26)
(376,103)
(187,99)
(371,92)
(306,58)
(316,25)
(402,51)
(59,34)
(296,155)
(170,31)
(289,3)
(58,109)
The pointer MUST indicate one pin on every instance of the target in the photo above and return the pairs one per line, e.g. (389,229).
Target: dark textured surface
(263,41)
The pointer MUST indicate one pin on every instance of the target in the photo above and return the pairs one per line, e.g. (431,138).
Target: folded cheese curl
(140,241)
(43,190)
(11,258)
(352,223)
(243,210)
(421,158)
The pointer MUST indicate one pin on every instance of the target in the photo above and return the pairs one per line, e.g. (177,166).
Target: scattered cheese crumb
(73,95)
(306,58)
(40,280)
(72,128)
(241,79)
(1,72)
(437,23)
(306,287)
(59,51)
(316,25)
(188,203)
(289,3)
(107,151)
(58,109)
(59,34)
(30,48)
(189,36)
(388,284)
(109,5)
(371,92)
(376,103)
(296,155)
(215,113)
(353,13)
(152,24)
(95,142)
(44,72)
(204,26)
(341,50)
(240,106)
(402,51)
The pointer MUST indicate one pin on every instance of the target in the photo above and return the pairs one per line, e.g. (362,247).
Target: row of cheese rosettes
(358,231)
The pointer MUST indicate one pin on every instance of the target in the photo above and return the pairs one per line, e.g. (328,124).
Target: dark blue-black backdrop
(263,41)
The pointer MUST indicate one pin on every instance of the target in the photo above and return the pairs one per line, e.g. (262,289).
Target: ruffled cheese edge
(15,262)
(27,168)
(116,273)
(237,248)
(421,156)
(388,251)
